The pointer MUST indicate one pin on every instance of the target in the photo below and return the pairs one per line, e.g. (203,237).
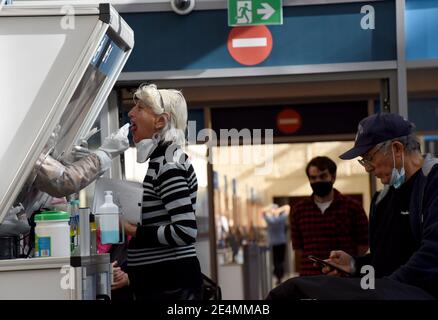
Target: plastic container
(107,216)
(52,234)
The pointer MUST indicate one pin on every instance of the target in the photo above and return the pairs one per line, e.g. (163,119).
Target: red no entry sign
(250,45)
(288,121)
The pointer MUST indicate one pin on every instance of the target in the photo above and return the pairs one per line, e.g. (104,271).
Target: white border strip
(261,71)
(164,5)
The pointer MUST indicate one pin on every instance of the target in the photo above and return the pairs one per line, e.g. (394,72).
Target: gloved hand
(11,225)
(81,150)
(117,142)
(113,145)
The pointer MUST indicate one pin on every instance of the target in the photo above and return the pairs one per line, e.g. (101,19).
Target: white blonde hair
(170,101)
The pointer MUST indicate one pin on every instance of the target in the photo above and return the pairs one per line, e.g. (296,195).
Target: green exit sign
(254,12)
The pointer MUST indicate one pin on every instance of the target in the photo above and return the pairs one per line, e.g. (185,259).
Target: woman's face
(143,122)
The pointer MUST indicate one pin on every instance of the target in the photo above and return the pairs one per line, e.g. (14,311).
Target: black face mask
(322,188)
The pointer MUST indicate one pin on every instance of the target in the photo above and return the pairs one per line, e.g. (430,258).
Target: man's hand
(340,259)
(130,229)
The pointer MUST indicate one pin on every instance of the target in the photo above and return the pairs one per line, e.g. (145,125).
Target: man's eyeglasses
(367,160)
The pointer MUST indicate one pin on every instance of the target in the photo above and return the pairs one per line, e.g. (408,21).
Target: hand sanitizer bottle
(108,220)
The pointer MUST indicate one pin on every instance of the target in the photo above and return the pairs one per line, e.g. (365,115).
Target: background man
(326,220)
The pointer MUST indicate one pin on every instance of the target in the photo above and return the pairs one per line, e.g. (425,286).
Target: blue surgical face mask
(398,177)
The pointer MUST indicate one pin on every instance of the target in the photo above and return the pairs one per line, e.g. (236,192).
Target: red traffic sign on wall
(288,121)
(250,45)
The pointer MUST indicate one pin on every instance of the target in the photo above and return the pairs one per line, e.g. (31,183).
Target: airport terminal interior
(266,91)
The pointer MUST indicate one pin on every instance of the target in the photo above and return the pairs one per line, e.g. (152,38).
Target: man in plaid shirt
(326,220)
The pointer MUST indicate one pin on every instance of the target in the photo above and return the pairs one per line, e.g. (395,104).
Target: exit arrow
(267,11)
(254,12)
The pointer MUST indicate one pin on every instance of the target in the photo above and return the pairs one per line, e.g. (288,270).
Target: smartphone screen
(323,263)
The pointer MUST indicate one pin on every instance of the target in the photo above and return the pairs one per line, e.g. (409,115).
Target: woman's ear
(162,120)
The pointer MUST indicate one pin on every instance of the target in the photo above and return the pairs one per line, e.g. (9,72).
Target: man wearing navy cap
(388,149)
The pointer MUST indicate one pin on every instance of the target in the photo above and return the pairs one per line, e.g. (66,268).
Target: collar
(429,162)
(162,148)
(404,189)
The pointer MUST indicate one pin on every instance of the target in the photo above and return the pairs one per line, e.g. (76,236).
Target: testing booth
(58,65)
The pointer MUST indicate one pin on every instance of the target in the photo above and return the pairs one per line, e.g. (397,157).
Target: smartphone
(323,263)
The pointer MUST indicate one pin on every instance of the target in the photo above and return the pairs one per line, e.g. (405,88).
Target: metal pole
(400,7)
(211,213)
(386,101)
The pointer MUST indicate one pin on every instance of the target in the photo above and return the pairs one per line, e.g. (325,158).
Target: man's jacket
(421,270)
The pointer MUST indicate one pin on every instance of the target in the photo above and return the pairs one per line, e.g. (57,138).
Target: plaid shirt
(343,226)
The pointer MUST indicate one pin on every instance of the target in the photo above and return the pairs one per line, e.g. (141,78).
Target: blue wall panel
(309,35)
(424,113)
(421,29)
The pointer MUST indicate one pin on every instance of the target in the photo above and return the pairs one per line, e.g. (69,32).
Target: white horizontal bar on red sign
(289,121)
(250,42)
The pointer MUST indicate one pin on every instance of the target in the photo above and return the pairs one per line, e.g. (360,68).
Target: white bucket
(52,234)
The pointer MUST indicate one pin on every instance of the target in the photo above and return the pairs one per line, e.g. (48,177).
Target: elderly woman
(162,262)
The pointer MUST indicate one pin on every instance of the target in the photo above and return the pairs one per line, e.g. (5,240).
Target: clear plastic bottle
(108,220)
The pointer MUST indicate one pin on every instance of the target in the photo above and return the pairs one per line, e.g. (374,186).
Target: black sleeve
(361,261)
(421,270)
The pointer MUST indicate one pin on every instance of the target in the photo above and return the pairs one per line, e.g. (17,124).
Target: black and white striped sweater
(165,240)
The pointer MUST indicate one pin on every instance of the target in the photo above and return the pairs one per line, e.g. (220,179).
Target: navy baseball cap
(375,129)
